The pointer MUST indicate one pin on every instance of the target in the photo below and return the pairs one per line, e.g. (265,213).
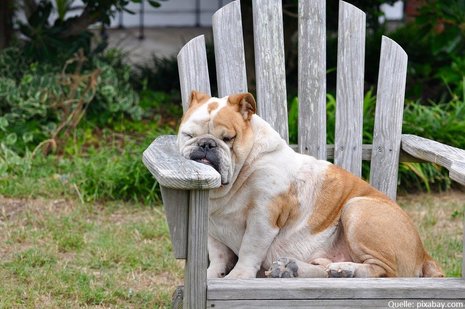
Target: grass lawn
(64,254)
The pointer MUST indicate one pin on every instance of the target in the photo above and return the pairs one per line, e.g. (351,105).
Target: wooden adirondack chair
(185,184)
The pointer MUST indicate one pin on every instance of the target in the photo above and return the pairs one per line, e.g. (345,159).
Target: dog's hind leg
(291,268)
(382,241)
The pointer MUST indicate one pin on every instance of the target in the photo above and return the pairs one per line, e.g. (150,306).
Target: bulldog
(291,214)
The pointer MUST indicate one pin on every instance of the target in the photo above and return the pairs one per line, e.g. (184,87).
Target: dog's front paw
(216,271)
(242,273)
(341,270)
(283,268)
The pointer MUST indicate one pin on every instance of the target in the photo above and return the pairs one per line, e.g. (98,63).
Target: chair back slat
(269,64)
(388,117)
(312,78)
(271,81)
(229,50)
(349,92)
(193,69)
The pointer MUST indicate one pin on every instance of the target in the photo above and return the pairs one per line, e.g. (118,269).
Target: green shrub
(443,122)
(46,103)
(435,43)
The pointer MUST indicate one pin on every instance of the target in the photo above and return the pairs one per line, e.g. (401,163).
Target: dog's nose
(207,143)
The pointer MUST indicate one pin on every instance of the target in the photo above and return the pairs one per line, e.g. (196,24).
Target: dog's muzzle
(207,153)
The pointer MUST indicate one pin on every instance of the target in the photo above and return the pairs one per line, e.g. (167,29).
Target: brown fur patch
(284,208)
(197,100)
(229,122)
(337,188)
(228,118)
(431,268)
(244,103)
(212,106)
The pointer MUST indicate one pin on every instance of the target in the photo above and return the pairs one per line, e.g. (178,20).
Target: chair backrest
(348,151)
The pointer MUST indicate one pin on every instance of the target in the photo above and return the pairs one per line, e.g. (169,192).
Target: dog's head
(217,131)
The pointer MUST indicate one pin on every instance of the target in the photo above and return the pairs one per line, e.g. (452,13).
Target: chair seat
(337,292)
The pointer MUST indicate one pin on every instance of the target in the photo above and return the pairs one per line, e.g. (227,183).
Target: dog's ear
(198,97)
(245,103)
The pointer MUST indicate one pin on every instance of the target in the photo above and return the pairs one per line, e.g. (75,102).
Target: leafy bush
(443,122)
(44,103)
(435,43)
(55,42)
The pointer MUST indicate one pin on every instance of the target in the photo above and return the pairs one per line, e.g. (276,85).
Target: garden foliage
(78,118)
(435,43)
(43,103)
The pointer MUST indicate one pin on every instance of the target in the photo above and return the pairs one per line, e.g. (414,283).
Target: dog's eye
(187,135)
(228,139)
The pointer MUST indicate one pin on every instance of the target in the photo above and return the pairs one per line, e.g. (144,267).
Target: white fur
(268,170)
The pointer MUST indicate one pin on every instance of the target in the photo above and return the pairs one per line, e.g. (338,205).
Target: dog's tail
(431,267)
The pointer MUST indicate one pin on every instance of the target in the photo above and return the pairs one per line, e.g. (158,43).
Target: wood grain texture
(366,153)
(338,288)
(269,64)
(172,170)
(447,156)
(195,291)
(229,50)
(176,204)
(388,117)
(193,69)
(312,78)
(321,303)
(349,92)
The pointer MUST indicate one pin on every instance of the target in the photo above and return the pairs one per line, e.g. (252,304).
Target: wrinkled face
(216,132)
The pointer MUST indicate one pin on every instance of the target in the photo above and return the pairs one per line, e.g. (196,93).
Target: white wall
(178,13)
(393,12)
(173,13)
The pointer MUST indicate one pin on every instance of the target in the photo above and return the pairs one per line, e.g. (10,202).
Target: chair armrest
(447,156)
(172,170)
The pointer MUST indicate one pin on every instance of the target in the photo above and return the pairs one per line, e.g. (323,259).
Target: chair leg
(195,282)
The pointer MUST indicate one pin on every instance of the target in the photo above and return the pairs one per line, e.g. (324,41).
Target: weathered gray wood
(388,117)
(312,78)
(447,156)
(195,290)
(463,248)
(349,92)
(172,170)
(338,288)
(176,204)
(193,69)
(269,64)
(324,303)
(229,50)
(366,153)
